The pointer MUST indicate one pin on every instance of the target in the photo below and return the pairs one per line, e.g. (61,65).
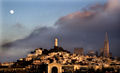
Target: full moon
(11,11)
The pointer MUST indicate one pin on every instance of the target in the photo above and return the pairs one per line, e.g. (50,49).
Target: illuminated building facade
(79,51)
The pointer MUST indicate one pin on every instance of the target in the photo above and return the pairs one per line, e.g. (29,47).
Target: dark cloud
(79,29)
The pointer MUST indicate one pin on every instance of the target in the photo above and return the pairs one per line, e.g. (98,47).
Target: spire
(56,42)
(106,36)
(106,46)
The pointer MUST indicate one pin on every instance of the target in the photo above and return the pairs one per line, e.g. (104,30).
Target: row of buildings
(104,52)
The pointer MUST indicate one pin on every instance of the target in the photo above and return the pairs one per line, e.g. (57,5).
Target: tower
(106,46)
(101,51)
(56,42)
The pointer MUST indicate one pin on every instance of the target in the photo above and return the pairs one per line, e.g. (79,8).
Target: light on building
(56,42)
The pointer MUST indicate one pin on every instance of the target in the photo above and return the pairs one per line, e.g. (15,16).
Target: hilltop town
(58,60)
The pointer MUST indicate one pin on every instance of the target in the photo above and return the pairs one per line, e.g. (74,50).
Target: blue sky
(31,14)
(25,25)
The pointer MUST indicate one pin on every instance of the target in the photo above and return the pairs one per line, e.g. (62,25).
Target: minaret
(56,42)
(106,46)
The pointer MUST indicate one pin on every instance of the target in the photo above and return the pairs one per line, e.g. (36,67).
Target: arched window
(54,70)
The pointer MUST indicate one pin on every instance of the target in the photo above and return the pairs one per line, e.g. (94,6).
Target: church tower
(56,42)
(106,46)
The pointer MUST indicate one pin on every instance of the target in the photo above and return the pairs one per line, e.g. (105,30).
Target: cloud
(102,18)
(19,26)
(79,29)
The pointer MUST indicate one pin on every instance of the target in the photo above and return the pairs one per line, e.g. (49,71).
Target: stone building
(79,51)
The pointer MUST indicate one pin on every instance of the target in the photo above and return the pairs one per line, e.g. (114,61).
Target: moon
(12,12)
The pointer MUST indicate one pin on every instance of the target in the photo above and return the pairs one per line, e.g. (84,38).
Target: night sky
(76,23)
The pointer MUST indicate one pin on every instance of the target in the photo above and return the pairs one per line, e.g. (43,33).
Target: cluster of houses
(64,61)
